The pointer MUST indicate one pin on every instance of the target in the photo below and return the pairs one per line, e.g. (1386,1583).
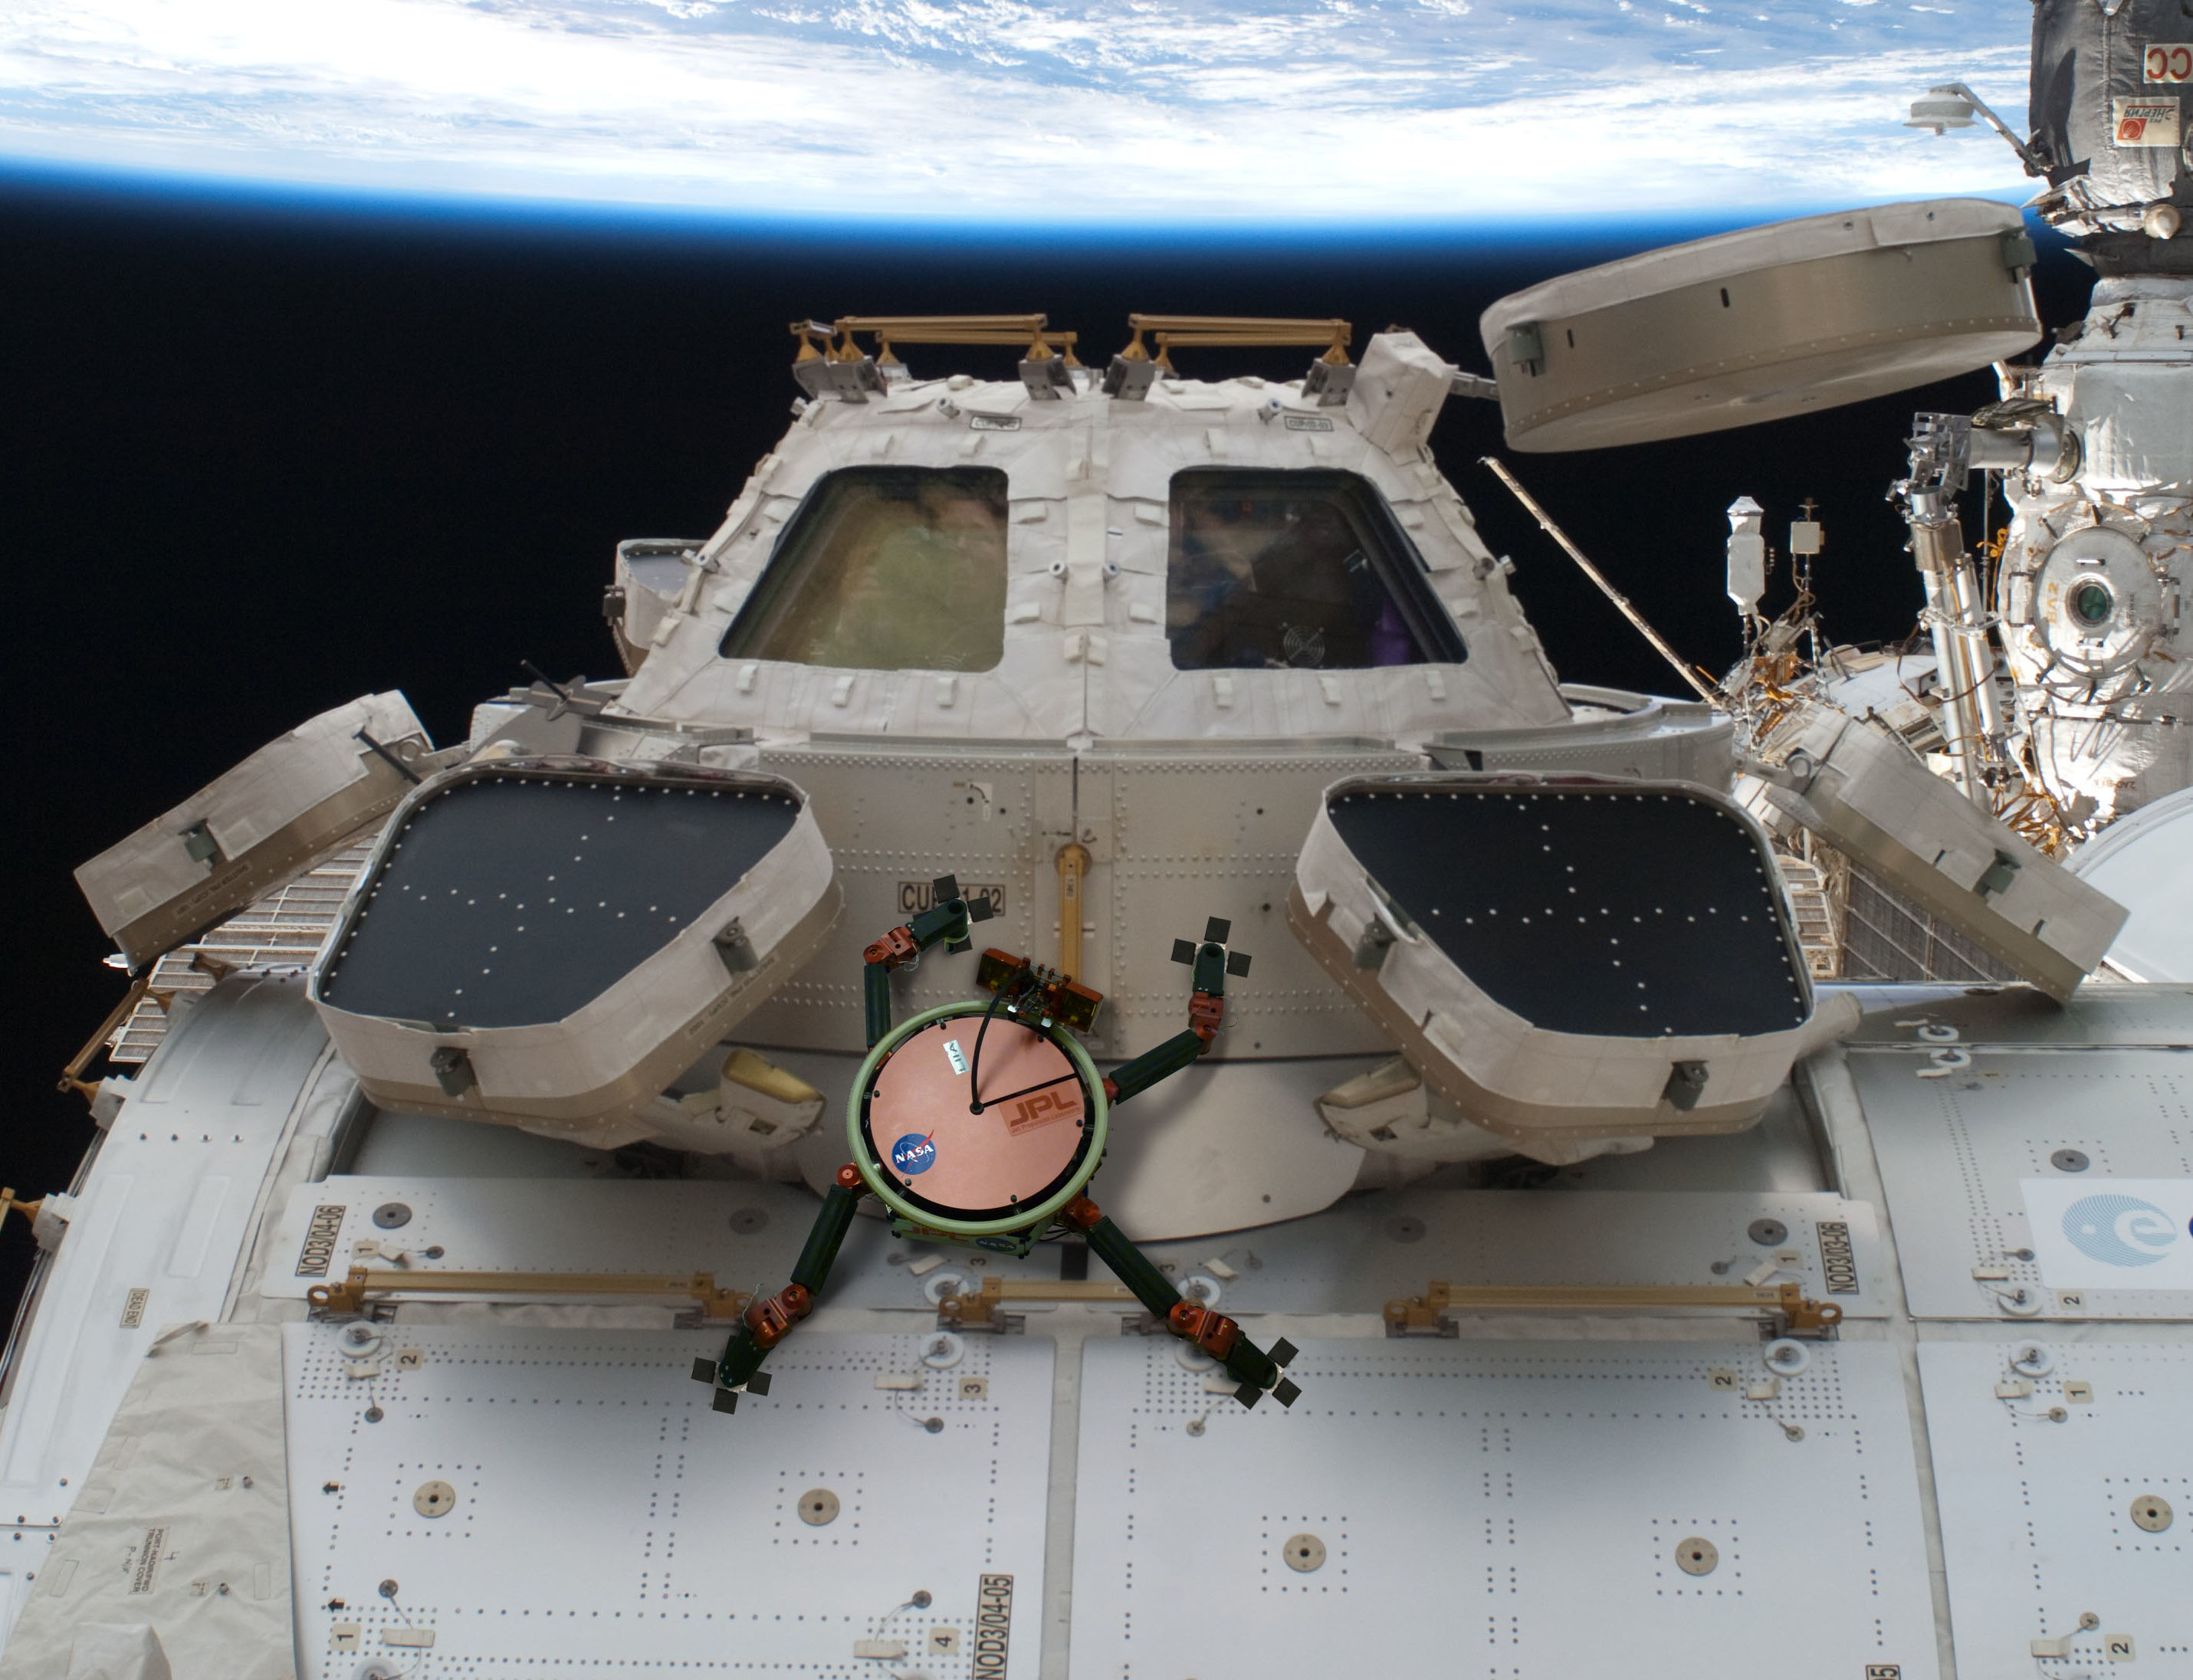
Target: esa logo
(914,1154)
(2119,1229)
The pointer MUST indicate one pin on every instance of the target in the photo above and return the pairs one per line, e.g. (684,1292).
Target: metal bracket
(1687,1084)
(1129,378)
(200,847)
(1329,382)
(735,948)
(981,1310)
(1527,348)
(452,1070)
(1047,378)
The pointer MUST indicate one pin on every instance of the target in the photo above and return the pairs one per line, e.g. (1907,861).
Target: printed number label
(319,1249)
(2169,62)
(1838,1259)
(916,896)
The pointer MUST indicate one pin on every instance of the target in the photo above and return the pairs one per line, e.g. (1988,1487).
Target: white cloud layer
(1175,110)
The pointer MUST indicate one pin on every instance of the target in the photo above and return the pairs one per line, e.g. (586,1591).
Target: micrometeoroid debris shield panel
(1611,913)
(513,901)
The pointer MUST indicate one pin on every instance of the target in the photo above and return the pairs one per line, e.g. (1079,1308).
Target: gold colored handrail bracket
(1786,1303)
(980,1308)
(362,1286)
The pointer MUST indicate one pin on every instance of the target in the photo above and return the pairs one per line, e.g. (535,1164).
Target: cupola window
(1279,570)
(885,569)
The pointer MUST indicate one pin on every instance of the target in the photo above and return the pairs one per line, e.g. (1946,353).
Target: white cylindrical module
(1747,555)
(2090,593)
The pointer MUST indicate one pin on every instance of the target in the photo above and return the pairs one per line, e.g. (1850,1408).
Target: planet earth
(1008,112)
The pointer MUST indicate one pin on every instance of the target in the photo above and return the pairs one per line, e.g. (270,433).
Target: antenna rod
(557,688)
(1621,601)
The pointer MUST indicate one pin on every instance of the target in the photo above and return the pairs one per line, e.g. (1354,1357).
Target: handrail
(1420,1315)
(360,1286)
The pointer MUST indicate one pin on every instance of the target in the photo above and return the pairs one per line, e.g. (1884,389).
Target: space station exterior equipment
(257,824)
(648,584)
(1565,959)
(1747,555)
(2108,125)
(2089,594)
(1611,732)
(548,944)
(1860,789)
(2147,860)
(1762,324)
(1398,392)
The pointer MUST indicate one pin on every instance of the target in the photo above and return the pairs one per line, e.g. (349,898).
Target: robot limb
(948,918)
(768,1320)
(1207,1012)
(1257,1372)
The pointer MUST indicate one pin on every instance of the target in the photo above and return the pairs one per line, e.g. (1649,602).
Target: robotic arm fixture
(980,1124)
(2020,435)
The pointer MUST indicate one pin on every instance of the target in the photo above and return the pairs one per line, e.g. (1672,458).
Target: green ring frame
(1100,1112)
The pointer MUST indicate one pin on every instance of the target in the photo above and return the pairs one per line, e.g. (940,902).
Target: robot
(981,1124)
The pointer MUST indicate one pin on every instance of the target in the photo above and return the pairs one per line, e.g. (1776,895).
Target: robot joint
(1080,1214)
(771,1320)
(1205,1014)
(894,948)
(1212,1332)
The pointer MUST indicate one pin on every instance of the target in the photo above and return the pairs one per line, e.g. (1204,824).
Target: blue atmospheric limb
(2119,1229)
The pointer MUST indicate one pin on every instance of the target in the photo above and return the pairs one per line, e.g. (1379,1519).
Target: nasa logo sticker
(2117,1234)
(913,1154)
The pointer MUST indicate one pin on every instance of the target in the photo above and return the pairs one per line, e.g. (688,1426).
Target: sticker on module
(2143,123)
(2112,1233)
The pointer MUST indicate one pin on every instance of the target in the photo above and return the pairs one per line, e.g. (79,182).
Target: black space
(262,458)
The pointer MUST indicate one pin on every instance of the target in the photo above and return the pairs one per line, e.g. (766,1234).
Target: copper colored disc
(938,1151)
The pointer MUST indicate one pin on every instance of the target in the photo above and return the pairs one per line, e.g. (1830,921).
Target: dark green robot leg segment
(766,1323)
(1257,1372)
(1132,1267)
(875,984)
(812,1270)
(1161,1062)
